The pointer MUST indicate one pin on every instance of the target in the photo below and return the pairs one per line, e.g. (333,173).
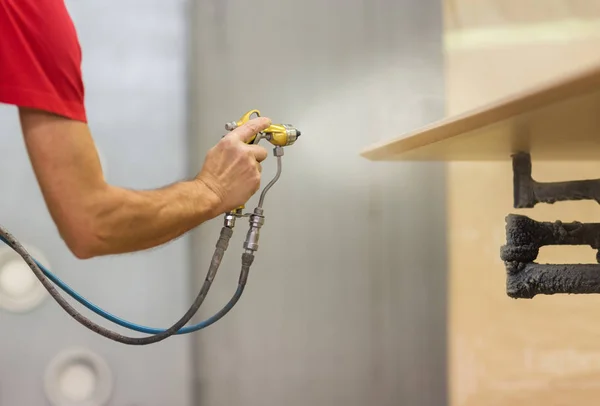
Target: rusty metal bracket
(528,192)
(525,236)
(526,279)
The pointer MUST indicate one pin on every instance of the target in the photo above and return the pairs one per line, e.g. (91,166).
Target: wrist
(207,199)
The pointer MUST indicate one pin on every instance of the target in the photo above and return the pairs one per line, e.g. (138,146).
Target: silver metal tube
(271,183)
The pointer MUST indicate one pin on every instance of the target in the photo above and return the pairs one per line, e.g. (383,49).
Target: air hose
(279,135)
(45,277)
(135,327)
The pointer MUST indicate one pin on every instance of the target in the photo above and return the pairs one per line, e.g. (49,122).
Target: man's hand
(232,168)
(95,218)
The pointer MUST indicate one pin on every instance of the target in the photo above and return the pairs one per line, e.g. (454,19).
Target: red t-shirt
(40,58)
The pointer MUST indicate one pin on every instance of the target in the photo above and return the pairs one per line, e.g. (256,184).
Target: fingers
(259,152)
(247,131)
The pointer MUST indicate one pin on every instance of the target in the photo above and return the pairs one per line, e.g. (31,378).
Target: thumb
(248,130)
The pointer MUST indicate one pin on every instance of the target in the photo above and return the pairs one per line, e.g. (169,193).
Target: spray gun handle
(232,125)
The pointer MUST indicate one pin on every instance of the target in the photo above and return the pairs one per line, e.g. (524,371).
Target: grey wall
(135,73)
(346,300)
(345,304)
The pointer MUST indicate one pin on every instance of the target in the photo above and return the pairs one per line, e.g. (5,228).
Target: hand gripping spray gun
(280,135)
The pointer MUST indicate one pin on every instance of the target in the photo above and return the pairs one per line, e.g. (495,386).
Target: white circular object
(20,290)
(78,377)
(16,278)
(77,382)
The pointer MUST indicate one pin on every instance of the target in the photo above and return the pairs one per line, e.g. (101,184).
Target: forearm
(95,218)
(115,220)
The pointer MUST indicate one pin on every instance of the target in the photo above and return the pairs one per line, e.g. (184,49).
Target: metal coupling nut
(229,221)
(253,235)
(292,133)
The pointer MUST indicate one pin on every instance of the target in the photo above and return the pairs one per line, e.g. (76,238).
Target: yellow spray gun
(280,135)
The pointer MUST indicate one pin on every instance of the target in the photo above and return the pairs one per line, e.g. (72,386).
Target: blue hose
(132,326)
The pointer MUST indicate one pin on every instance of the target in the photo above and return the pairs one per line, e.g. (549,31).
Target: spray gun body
(279,135)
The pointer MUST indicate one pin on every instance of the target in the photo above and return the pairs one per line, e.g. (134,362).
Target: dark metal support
(524,281)
(528,192)
(525,278)
(525,236)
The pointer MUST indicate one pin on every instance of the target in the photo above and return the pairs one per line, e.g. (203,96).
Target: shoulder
(40,58)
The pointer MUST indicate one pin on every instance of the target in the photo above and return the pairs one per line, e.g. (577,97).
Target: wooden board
(557,121)
(503,351)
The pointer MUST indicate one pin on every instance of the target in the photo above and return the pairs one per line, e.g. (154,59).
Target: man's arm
(95,218)
(40,72)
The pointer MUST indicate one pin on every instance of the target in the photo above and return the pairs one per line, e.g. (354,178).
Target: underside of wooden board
(558,121)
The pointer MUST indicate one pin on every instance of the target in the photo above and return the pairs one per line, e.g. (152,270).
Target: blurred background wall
(346,301)
(135,72)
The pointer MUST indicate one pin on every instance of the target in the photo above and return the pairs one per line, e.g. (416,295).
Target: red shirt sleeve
(40,58)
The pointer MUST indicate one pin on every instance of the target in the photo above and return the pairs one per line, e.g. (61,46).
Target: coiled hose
(46,278)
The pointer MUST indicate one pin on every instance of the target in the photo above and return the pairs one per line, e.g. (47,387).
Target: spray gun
(279,135)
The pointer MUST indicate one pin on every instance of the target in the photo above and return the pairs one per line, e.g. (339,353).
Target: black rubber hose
(221,246)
